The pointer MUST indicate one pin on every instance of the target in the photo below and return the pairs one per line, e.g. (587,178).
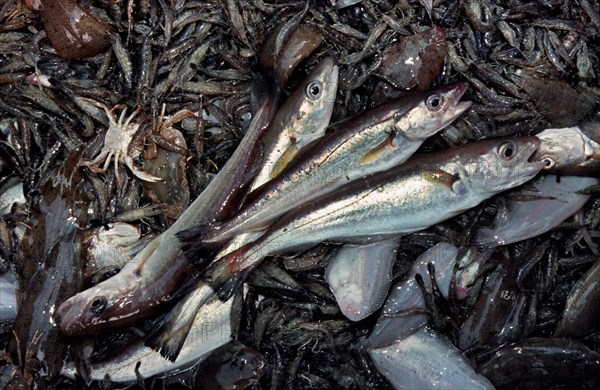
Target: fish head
(569,147)
(432,111)
(313,101)
(497,165)
(98,309)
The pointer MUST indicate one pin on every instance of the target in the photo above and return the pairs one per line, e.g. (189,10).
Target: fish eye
(98,305)
(507,150)
(549,162)
(313,90)
(434,102)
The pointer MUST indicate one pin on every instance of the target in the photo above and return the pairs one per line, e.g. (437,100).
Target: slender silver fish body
(359,277)
(161,269)
(374,141)
(301,119)
(402,200)
(427,360)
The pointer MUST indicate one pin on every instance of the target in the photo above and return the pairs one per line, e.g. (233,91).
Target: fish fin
(197,247)
(284,160)
(442,177)
(169,335)
(225,275)
(233,284)
(207,233)
(376,152)
(165,342)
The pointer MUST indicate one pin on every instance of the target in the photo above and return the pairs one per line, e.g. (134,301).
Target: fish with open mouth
(373,141)
(401,200)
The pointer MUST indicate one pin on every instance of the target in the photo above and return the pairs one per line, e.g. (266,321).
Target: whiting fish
(371,142)
(402,200)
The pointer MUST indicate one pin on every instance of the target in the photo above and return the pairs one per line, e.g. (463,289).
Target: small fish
(160,272)
(427,359)
(360,276)
(569,147)
(553,202)
(210,329)
(375,140)
(582,311)
(302,118)
(401,200)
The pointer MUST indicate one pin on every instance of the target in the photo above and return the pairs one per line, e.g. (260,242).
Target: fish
(210,329)
(303,118)
(401,200)
(570,147)
(427,359)
(160,272)
(543,363)
(553,202)
(581,313)
(375,140)
(396,321)
(360,276)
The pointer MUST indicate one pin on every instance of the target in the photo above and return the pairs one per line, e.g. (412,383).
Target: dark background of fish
(188,54)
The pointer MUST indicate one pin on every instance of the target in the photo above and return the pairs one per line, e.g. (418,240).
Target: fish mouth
(531,153)
(454,107)
(64,319)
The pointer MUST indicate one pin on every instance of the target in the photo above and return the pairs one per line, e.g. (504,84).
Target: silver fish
(401,200)
(210,329)
(375,140)
(159,272)
(302,118)
(568,147)
(396,322)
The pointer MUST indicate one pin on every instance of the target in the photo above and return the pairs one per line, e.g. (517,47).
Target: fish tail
(167,343)
(226,275)
(197,249)
(213,234)
(169,335)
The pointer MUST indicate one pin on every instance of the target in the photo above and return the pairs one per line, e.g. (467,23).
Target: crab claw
(141,174)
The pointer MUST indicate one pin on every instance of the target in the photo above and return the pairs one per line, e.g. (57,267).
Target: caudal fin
(207,233)
(170,334)
(226,276)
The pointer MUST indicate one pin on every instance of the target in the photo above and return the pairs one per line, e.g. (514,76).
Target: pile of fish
(326,194)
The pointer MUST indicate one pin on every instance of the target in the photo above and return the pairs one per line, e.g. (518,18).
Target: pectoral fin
(375,153)
(442,177)
(284,160)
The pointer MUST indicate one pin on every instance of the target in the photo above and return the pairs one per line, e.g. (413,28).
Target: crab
(117,142)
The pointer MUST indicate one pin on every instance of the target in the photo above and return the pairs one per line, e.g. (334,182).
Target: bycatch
(373,141)
(303,117)
(404,199)
(160,271)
